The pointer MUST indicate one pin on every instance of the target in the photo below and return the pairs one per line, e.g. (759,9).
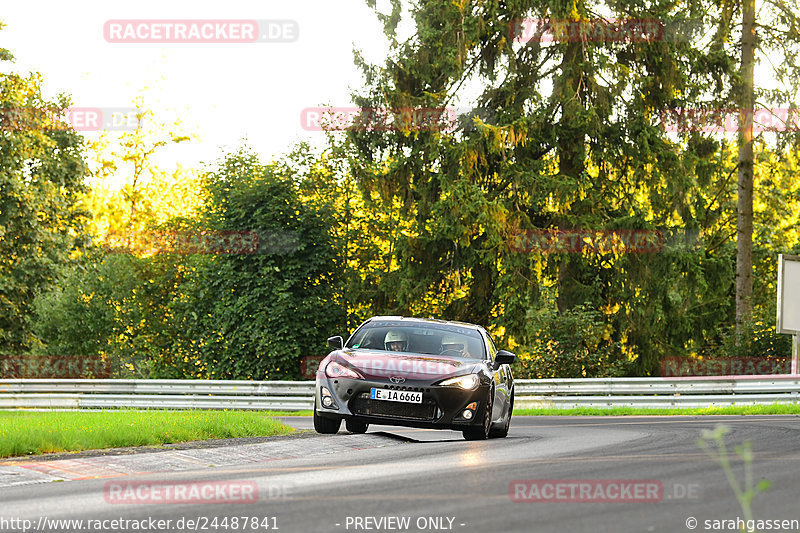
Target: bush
(758,339)
(253,316)
(246,315)
(576,344)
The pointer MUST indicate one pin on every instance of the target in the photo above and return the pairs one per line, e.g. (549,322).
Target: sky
(222,92)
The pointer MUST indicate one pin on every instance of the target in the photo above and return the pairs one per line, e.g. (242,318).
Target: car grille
(363,405)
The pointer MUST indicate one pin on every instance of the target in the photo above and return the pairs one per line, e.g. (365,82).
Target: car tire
(356,426)
(502,432)
(482,432)
(326,426)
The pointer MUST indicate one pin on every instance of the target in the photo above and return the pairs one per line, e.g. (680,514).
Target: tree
(103,308)
(112,300)
(130,192)
(253,316)
(588,154)
(42,173)
(782,38)
(744,220)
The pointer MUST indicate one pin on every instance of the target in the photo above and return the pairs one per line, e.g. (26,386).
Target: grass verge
(288,413)
(774,409)
(27,432)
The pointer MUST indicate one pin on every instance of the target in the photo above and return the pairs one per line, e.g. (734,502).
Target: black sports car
(419,373)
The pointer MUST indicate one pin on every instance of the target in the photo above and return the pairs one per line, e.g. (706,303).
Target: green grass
(774,409)
(26,432)
(288,413)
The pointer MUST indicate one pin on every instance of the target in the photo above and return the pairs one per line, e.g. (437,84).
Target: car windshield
(419,338)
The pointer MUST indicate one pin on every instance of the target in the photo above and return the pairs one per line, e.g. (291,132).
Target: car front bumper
(441,408)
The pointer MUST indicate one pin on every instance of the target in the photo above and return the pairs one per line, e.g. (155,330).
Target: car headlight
(336,370)
(470,381)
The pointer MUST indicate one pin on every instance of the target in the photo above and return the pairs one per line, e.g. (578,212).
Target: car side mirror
(336,342)
(504,357)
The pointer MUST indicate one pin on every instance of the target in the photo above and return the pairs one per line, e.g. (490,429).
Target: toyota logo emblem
(397,379)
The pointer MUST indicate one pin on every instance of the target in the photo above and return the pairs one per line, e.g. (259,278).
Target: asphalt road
(423,480)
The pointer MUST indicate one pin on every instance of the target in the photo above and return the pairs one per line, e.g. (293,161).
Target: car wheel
(482,432)
(324,425)
(502,432)
(356,426)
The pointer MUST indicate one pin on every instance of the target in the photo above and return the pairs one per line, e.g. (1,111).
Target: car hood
(382,364)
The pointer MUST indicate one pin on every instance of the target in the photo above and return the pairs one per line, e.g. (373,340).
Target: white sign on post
(789,302)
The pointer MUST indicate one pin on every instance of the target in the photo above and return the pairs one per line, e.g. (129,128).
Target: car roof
(425,320)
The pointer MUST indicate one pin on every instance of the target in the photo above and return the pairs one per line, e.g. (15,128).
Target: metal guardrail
(659,393)
(155,394)
(299,395)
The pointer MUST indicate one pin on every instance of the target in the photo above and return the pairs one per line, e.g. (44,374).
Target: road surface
(552,474)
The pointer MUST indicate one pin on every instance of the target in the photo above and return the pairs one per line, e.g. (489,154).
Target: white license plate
(395,395)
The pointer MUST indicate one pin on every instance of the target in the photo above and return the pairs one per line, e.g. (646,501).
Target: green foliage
(87,298)
(41,179)
(755,339)
(577,343)
(214,315)
(420,221)
(114,305)
(252,316)
(571,139)
(26,433)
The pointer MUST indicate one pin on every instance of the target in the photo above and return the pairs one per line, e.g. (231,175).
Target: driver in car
(452,345)
(395,341)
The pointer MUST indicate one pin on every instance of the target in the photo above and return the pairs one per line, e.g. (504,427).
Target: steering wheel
(457,353)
